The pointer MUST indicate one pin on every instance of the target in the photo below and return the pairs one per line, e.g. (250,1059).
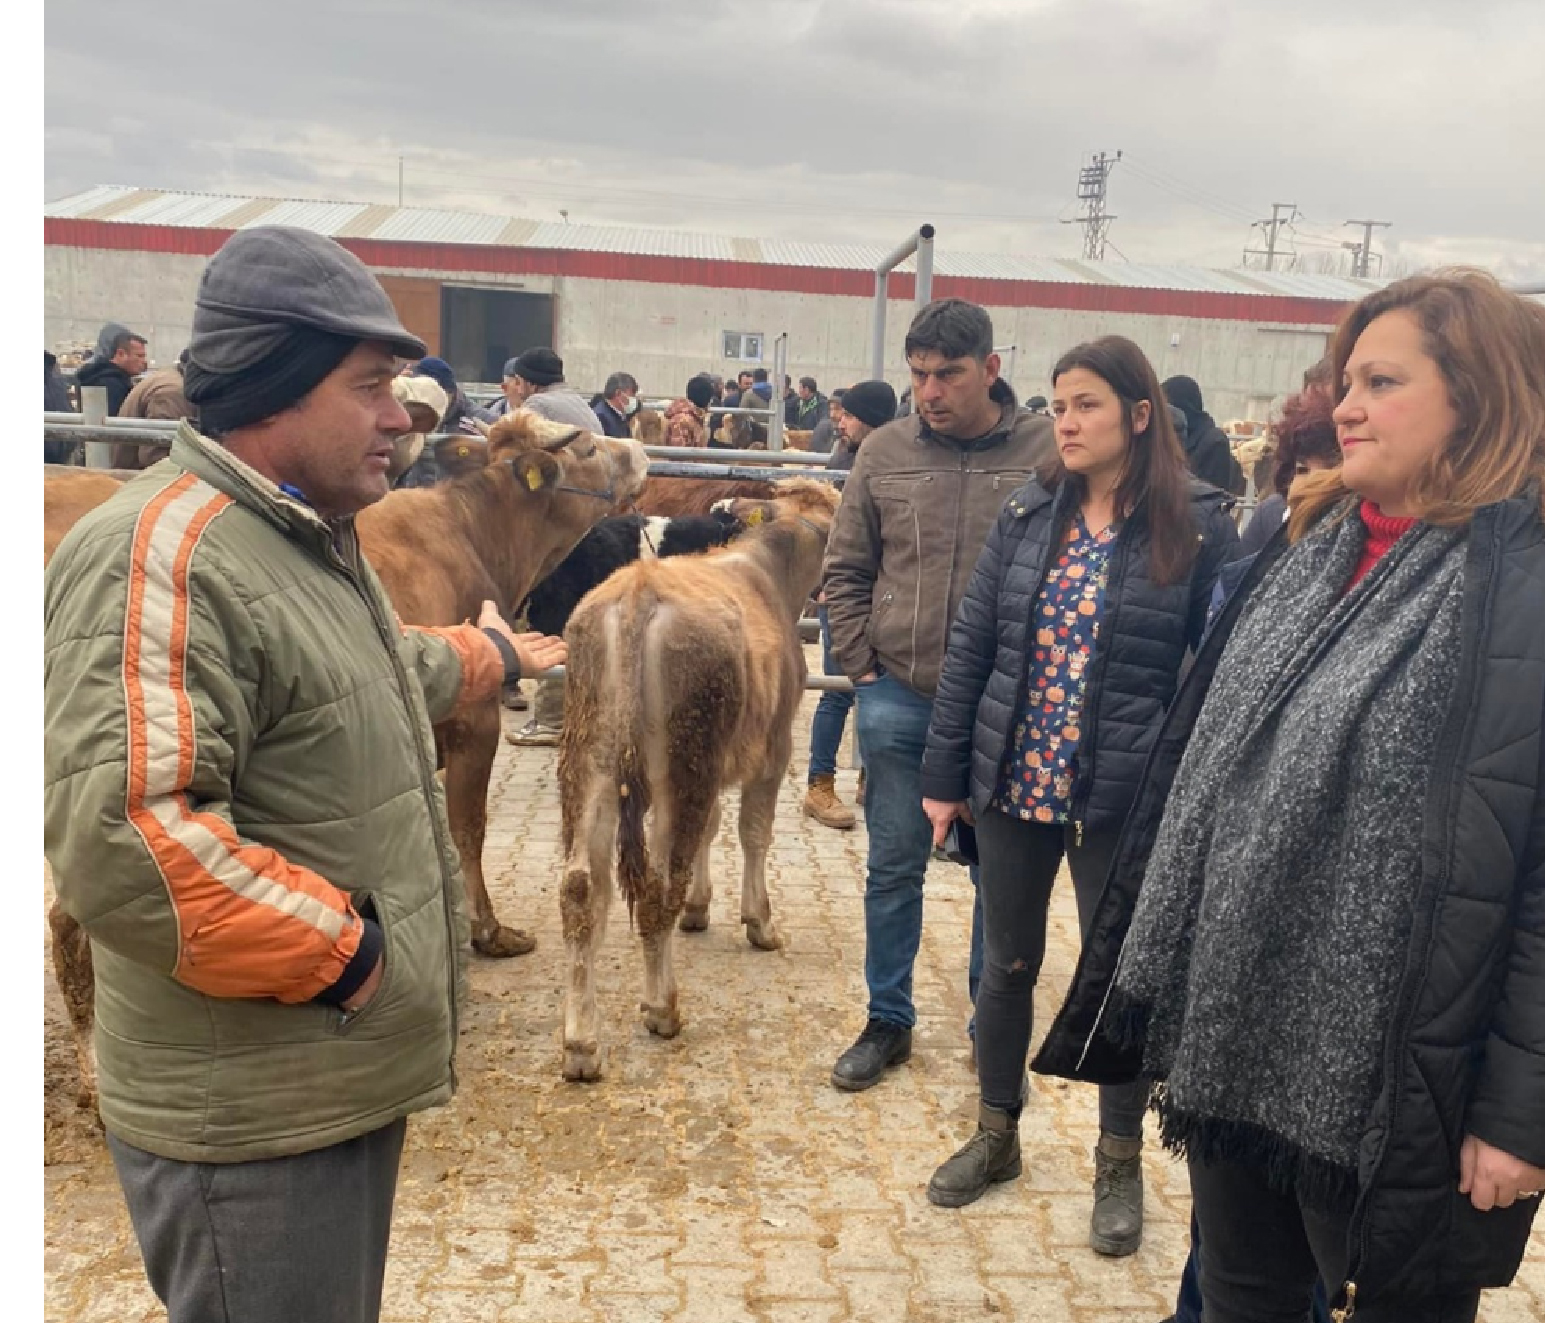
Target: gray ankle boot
(991,1155)
(1116,1225)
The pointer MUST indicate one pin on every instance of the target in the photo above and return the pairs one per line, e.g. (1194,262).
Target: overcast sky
(842,120)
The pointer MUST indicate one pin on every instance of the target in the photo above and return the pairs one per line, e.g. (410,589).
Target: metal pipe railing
(149,431)
(920,243)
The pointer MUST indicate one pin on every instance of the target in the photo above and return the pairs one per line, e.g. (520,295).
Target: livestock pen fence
(92,434)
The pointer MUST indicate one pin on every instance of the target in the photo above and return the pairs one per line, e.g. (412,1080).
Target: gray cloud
(837,120)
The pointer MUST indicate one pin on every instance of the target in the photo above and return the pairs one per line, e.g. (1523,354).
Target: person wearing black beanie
(866,406)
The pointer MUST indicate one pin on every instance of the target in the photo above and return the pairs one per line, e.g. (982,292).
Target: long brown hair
(1490,346)
(1154,478)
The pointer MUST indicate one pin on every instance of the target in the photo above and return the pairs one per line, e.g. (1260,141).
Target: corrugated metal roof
(633,242)
(189,209)
(323,217)
(118,202)
(423,225)
(79,204)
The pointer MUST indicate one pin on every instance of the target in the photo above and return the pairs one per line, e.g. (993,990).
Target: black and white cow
(613,543)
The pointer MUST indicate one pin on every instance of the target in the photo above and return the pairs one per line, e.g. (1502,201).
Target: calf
(684,679)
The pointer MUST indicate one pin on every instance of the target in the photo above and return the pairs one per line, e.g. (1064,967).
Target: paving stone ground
(716,1178)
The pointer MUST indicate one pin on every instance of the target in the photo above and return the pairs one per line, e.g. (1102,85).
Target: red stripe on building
(454,259)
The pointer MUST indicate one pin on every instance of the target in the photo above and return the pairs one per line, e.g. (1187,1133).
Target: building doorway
(480,329)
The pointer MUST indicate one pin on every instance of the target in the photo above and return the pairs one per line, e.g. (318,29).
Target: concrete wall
(150,293)
(663,334)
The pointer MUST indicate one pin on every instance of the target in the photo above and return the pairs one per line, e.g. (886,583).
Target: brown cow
(68,494)
(441,551)
(684,678)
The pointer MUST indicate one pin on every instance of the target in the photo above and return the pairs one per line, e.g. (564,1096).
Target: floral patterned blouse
(1037,781)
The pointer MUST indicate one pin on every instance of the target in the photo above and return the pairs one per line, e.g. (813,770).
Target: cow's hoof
(582,1062)
(663,1021)
(694,919)
(501,942)
(763,936)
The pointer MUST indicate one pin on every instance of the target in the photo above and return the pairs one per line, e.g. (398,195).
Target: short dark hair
(760,374)
(951,328)
(808,383)
(836,396)
(616,382)
(700,390)
(123,339)
(745,372)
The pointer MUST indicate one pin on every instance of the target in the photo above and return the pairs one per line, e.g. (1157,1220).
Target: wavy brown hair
(1304,431)
(1155,479)
(1489,345)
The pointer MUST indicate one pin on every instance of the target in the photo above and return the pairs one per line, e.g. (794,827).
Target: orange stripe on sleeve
(250,924)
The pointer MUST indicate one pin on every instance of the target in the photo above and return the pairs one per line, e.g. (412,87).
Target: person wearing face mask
(616,404)
(1324,933)
(1066,650)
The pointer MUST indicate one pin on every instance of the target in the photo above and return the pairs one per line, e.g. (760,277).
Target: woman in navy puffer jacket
(1062,659)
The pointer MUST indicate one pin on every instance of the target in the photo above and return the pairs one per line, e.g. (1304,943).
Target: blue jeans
(892,726)
(831,713)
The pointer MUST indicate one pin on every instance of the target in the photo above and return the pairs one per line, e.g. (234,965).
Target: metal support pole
(780,371)
(924,267)
(877,334)
(914,244)
(93,408)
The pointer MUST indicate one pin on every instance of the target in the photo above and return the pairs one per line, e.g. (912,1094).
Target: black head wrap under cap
(297,364)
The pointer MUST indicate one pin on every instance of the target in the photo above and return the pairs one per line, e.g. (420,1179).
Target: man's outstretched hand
(536,652)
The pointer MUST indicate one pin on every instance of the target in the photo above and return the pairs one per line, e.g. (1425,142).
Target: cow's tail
(632,770)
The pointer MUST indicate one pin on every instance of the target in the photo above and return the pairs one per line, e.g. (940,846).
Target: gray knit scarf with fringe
(1271,930)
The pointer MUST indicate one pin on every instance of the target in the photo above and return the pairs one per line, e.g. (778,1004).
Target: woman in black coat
(1062,659)
(1324,929)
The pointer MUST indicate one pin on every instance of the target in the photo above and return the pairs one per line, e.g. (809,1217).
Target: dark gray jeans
(290,1240)
(1019,866)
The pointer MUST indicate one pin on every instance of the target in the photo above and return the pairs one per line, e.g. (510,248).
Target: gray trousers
(548,709)
(290,1240)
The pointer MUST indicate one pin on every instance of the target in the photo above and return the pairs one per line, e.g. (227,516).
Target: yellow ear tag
(755,518)
(533,478)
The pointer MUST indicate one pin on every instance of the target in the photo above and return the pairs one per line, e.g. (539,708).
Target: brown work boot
(1116,1225)
(822,804)
(990,1156)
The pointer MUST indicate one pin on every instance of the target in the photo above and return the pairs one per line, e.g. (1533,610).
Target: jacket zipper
(1023,676)
(1091,727)
(1452,741)
(385,631)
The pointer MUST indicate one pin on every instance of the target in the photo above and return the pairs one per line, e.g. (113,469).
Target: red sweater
(1383,533)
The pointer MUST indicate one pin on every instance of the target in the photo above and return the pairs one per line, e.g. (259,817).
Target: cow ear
(535,470)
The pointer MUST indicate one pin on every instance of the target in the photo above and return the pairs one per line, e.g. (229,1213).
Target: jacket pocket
(1483,1250)
(345,1022)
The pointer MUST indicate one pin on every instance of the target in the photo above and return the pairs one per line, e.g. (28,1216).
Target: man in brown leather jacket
(915,514)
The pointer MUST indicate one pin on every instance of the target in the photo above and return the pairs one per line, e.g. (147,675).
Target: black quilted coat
(1465,1052)
(1145,632)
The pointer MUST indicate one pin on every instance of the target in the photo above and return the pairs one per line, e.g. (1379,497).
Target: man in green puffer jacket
(241,807)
